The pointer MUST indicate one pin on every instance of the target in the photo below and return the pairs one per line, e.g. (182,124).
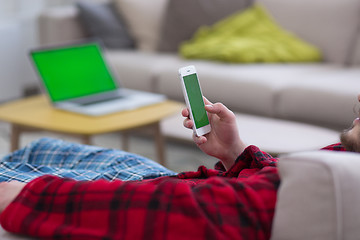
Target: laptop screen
(73,71)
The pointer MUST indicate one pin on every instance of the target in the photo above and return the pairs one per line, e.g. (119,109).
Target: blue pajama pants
(76,161)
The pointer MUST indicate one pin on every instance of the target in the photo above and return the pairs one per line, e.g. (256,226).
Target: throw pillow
(184,17)
(247,37)
(101,21)
(143,18)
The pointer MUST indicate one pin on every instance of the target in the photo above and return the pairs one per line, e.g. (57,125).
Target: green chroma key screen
(74,71)
(195,98)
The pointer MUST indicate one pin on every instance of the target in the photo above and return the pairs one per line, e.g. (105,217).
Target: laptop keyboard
(99,101)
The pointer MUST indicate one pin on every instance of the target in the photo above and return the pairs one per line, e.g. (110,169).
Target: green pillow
(246,37)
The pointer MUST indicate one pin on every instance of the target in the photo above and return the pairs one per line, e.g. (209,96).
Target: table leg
(15,137)
(125,141)
(159,140)
(86,139)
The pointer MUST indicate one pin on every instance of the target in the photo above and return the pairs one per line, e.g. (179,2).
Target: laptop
(77,78)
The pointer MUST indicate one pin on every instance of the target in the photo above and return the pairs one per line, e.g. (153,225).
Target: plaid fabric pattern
(76,161)
(206,204)
(335,147)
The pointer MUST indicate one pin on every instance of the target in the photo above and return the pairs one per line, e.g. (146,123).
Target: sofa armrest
(60,25)
(318,196)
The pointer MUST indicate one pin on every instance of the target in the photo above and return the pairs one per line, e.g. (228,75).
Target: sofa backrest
(355,54)
(330,25)
(60,25)
(319,196)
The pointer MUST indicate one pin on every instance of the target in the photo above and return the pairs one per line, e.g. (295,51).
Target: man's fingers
(188,123)
(185,112)
(220,110)
(199,139)
(206,101)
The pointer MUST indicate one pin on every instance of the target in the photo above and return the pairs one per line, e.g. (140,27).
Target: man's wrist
(9,191)
(233,154)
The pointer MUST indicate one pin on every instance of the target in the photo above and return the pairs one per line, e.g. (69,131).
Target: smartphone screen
(196,100)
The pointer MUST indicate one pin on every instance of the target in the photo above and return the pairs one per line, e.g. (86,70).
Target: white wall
(18,31)
(10,54)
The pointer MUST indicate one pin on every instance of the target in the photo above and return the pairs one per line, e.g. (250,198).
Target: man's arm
(51,207)
(8,192)
(226,207)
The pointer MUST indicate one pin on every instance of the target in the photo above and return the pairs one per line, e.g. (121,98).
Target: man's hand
(223,142)
(8,192)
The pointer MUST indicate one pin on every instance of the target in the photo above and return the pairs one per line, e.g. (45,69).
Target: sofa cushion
(65,18)
(326,96)
(260,131)
(143,18)
(183,18)
(355,51)
(246,37)
(100,20)
(318,196)
(328,24)
(139,69)
(249,88)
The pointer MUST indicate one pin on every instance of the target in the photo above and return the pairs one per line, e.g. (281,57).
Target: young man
(236,200)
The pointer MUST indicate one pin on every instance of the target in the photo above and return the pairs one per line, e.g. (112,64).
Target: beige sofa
(318,93)
(291,96)
(318,196)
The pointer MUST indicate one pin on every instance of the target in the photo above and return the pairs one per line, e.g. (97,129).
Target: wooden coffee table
(36,113)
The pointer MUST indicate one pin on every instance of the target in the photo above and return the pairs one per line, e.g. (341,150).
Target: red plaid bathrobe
(207,204)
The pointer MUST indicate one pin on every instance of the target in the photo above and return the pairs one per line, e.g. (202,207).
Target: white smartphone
(194,100)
